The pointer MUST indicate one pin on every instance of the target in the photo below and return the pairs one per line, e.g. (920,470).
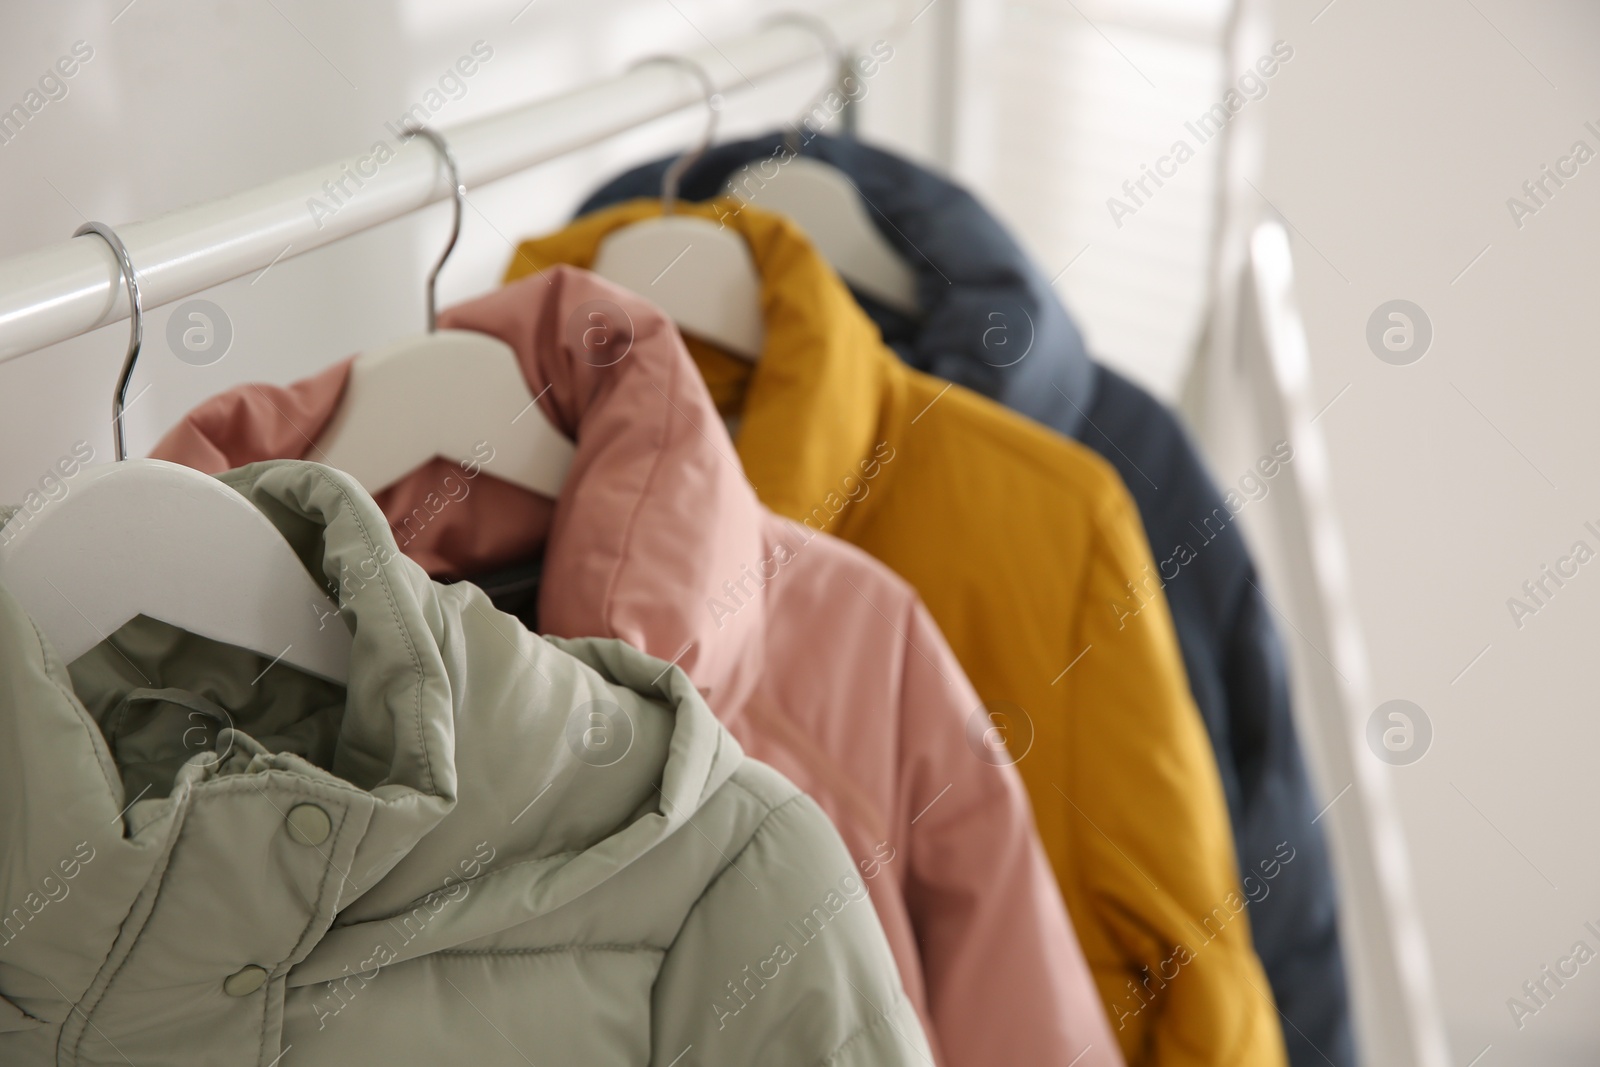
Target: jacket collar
(419,651)
(825,395)
(656,516)
(396,735)
(990,319)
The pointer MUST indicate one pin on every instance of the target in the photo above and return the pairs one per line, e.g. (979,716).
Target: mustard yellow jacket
(1023,544)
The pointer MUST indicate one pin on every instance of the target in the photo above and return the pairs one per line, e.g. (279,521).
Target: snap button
(309,824)
(245,981)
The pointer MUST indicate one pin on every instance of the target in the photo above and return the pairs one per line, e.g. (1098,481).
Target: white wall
(181,106)
(1393,142)
(1062,105)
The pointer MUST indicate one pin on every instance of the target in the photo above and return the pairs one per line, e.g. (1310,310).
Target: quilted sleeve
(1170,940)
(782,962)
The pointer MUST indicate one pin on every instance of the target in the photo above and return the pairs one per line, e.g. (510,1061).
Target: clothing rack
(71,287)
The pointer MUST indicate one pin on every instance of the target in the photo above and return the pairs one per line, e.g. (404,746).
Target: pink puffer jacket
(819,660)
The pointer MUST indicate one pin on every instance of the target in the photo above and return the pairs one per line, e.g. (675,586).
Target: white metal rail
(72,287)
(1258,391)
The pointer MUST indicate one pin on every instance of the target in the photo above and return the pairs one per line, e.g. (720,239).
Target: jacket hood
(989,320)
(628,549)
(386,761)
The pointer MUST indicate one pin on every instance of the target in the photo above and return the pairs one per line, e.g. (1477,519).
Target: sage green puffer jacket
(492,848)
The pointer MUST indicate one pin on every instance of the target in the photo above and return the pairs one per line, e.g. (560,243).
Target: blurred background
(1392,140)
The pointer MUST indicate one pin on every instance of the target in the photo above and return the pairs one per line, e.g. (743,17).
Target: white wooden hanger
(147,537)
(698,272)
(458,394)
(830,208)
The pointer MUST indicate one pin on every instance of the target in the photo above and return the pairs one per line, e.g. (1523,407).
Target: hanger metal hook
(442,147)
(119,399)
(676,170)
(832,50)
